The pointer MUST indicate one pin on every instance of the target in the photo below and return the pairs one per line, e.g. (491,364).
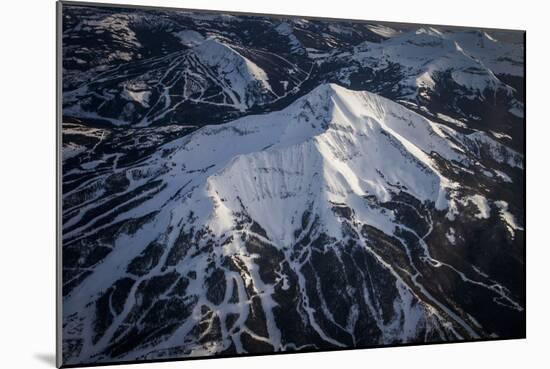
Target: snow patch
(450,234)
(507,217)
(189,38)
(484,210)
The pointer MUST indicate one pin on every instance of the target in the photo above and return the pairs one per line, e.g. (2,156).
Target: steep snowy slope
(501,57)
(343,220)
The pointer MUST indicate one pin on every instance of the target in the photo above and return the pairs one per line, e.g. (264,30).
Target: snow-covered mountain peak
(501,57)
(339,107)
(244,76)
(428,55)
(332,145)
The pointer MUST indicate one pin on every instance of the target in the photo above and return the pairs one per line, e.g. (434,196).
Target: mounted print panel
(236,184)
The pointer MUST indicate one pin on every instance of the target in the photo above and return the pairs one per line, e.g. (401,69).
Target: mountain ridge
(244,185)
(286,198)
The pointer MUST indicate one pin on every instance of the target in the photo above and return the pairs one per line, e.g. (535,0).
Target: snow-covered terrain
(265,185)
